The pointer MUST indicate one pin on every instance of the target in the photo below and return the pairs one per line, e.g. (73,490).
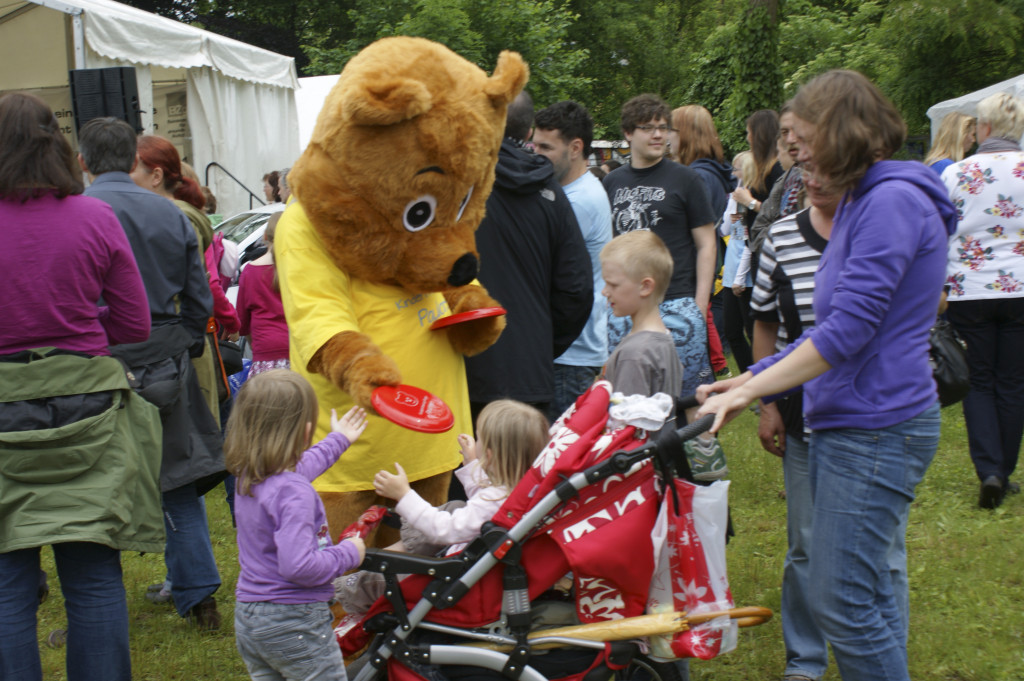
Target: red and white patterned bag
(689,575)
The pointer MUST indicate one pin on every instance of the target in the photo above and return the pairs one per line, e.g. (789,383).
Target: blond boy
(637,268)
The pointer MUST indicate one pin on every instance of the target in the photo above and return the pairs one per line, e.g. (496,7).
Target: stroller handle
(668,448)
(688,402)
(692,430)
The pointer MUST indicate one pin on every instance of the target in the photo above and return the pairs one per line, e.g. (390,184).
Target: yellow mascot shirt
(321,301)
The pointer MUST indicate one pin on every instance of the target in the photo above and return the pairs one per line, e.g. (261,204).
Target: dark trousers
(993,329)
(739,326)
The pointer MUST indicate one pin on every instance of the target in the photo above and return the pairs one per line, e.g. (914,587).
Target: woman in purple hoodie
(869,396)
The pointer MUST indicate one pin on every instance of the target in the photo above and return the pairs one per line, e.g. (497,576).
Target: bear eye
(419,213)
(462,206)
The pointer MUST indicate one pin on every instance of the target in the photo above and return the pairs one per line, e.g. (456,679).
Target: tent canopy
(219,100)
(309,100)
(968,104)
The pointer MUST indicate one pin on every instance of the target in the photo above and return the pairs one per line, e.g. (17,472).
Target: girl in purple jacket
(282,621)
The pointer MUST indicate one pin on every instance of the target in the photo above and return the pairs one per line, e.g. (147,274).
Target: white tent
(219,100)
(968,104)
(309,99)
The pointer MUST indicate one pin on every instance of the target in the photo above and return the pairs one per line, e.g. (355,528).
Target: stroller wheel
(643,668)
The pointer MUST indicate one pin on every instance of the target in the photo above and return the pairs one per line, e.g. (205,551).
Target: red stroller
(587,507)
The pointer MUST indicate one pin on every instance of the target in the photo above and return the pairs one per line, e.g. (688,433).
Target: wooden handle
(746,617)
(637,627)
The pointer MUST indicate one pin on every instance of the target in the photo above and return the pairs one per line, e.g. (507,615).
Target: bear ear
(510,75)
(386,101)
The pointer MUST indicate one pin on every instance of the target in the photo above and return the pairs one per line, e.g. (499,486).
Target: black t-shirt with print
(670,200)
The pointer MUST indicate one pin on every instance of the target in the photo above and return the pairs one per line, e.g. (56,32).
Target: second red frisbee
(413,408)
(467,316)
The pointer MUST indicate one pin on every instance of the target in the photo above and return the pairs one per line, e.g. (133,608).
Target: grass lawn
(966,580)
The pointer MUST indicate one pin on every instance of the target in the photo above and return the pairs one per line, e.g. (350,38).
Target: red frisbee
(413,408)
(467,316)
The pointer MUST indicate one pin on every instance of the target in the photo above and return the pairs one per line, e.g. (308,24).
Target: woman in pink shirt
(260,310)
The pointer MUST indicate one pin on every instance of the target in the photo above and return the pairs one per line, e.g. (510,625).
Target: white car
(246,230)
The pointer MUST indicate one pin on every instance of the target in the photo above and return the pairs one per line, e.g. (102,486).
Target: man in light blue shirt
(563,133)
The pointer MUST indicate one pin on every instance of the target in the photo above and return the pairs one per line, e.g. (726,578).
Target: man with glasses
(656,193)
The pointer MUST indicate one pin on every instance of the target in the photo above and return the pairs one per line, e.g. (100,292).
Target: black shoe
(992,492)
(204,615)
(1012,487)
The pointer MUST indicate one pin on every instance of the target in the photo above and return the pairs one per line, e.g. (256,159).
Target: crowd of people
(834,261)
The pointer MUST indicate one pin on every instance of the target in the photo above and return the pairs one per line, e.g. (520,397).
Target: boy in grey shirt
(637,267)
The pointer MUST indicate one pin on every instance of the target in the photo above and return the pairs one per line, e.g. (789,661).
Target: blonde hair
(188,171)
(267,431)
(1005,113)
(268,238)
(744,163)
(514,434)
(698,137)
(949,140)
(641,253)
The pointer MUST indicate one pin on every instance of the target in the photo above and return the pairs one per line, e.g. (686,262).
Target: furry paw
(355,364)
(472,338)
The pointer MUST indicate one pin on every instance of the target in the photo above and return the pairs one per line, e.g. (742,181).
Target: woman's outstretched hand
(725,399)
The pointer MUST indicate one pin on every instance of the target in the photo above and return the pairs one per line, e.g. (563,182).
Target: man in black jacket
(534,262)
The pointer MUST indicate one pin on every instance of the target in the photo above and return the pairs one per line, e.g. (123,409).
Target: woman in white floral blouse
(985,277)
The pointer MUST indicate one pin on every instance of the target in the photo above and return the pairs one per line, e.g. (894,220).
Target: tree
(477,30)
(943,49)
(634,47)
(757,77)
(731,56)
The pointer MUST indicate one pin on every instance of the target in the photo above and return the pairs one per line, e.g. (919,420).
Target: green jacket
(79,454)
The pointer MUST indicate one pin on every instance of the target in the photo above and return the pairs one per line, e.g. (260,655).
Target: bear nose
(464,270)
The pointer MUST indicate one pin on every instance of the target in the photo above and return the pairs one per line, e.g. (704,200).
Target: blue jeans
(570,383)
(806,648)
(96,607)
(191,568)
(689,332)
(279,641)
(994,406)
(863,483)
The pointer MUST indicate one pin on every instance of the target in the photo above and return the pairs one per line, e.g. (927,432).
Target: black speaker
(96,93)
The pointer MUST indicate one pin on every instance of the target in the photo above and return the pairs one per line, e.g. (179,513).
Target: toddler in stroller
(588,506)
(510,434)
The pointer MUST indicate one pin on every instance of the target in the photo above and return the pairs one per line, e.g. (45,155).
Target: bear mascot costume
(379,243)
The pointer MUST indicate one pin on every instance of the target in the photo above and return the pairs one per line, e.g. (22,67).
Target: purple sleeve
(321,456)
(776,358)
(125,318)
(885,244)
(299,558)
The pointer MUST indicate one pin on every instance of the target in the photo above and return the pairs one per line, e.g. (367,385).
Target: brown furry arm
(355,364)
(472,338)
